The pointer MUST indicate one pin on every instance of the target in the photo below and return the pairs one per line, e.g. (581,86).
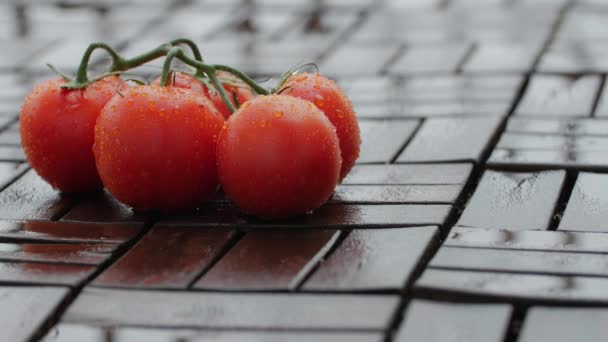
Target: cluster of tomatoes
(171,147)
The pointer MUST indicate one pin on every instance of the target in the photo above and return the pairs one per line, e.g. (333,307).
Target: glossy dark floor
(478,210)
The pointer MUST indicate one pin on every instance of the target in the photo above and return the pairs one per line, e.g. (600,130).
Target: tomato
(278,156)
(155,148)
(57,132)
(243,92)
(332,100)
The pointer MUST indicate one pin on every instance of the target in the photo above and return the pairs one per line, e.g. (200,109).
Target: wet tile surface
(273,260)
(26,309)
(22,272)
(564,263)
(328,216)
(102,207)
(429,59)
(255,311)
(368,59)
(382,140)
(67,332)
(565,143)
(432,174)
(166,257)
(396,194)
(588,204)
(47,231)
(559,96)
(373,260)
(461,322)
(31,198)
(513,200)
(501,57)
(91,254)
(527,240)
(530,288)
(450,140)
(564,324)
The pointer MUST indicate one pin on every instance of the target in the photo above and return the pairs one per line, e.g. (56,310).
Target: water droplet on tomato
(278,114)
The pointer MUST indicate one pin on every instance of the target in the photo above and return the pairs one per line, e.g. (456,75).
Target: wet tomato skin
(155,148)
(331,99)
(278,156)
(57,132)
(243,92)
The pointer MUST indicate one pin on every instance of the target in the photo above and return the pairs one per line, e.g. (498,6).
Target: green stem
(82,78)
(210,71)
(166,72)
(126,64)
(171,50)
(118,63)
(196,53)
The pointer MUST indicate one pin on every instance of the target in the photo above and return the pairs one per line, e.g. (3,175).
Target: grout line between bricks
(238,236)
(598,96)
(562,200)
(408,141)
(298,283)
(473,47)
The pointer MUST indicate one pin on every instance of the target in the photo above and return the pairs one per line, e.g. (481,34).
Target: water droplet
(278,114)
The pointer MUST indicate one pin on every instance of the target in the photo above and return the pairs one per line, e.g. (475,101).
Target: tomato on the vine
(231,84)
(155,147)
(278,156)
(332,100)
(57,132)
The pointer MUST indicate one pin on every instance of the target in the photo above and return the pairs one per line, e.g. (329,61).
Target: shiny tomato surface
(331,99)
(155,148)
(57,132)
(278,156)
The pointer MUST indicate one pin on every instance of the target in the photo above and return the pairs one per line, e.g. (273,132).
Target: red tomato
(57,132)
(332,100)
(243,92)
(278,156)
(155,148)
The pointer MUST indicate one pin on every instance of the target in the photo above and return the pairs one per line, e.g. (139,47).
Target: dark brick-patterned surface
(477,212)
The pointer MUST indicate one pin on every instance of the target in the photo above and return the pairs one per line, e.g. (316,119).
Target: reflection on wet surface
(43,273)
(269,260)
(63,253)
(166,257)
(67,231)
(373,260)
(396,194)
(328,216)
(30,197)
